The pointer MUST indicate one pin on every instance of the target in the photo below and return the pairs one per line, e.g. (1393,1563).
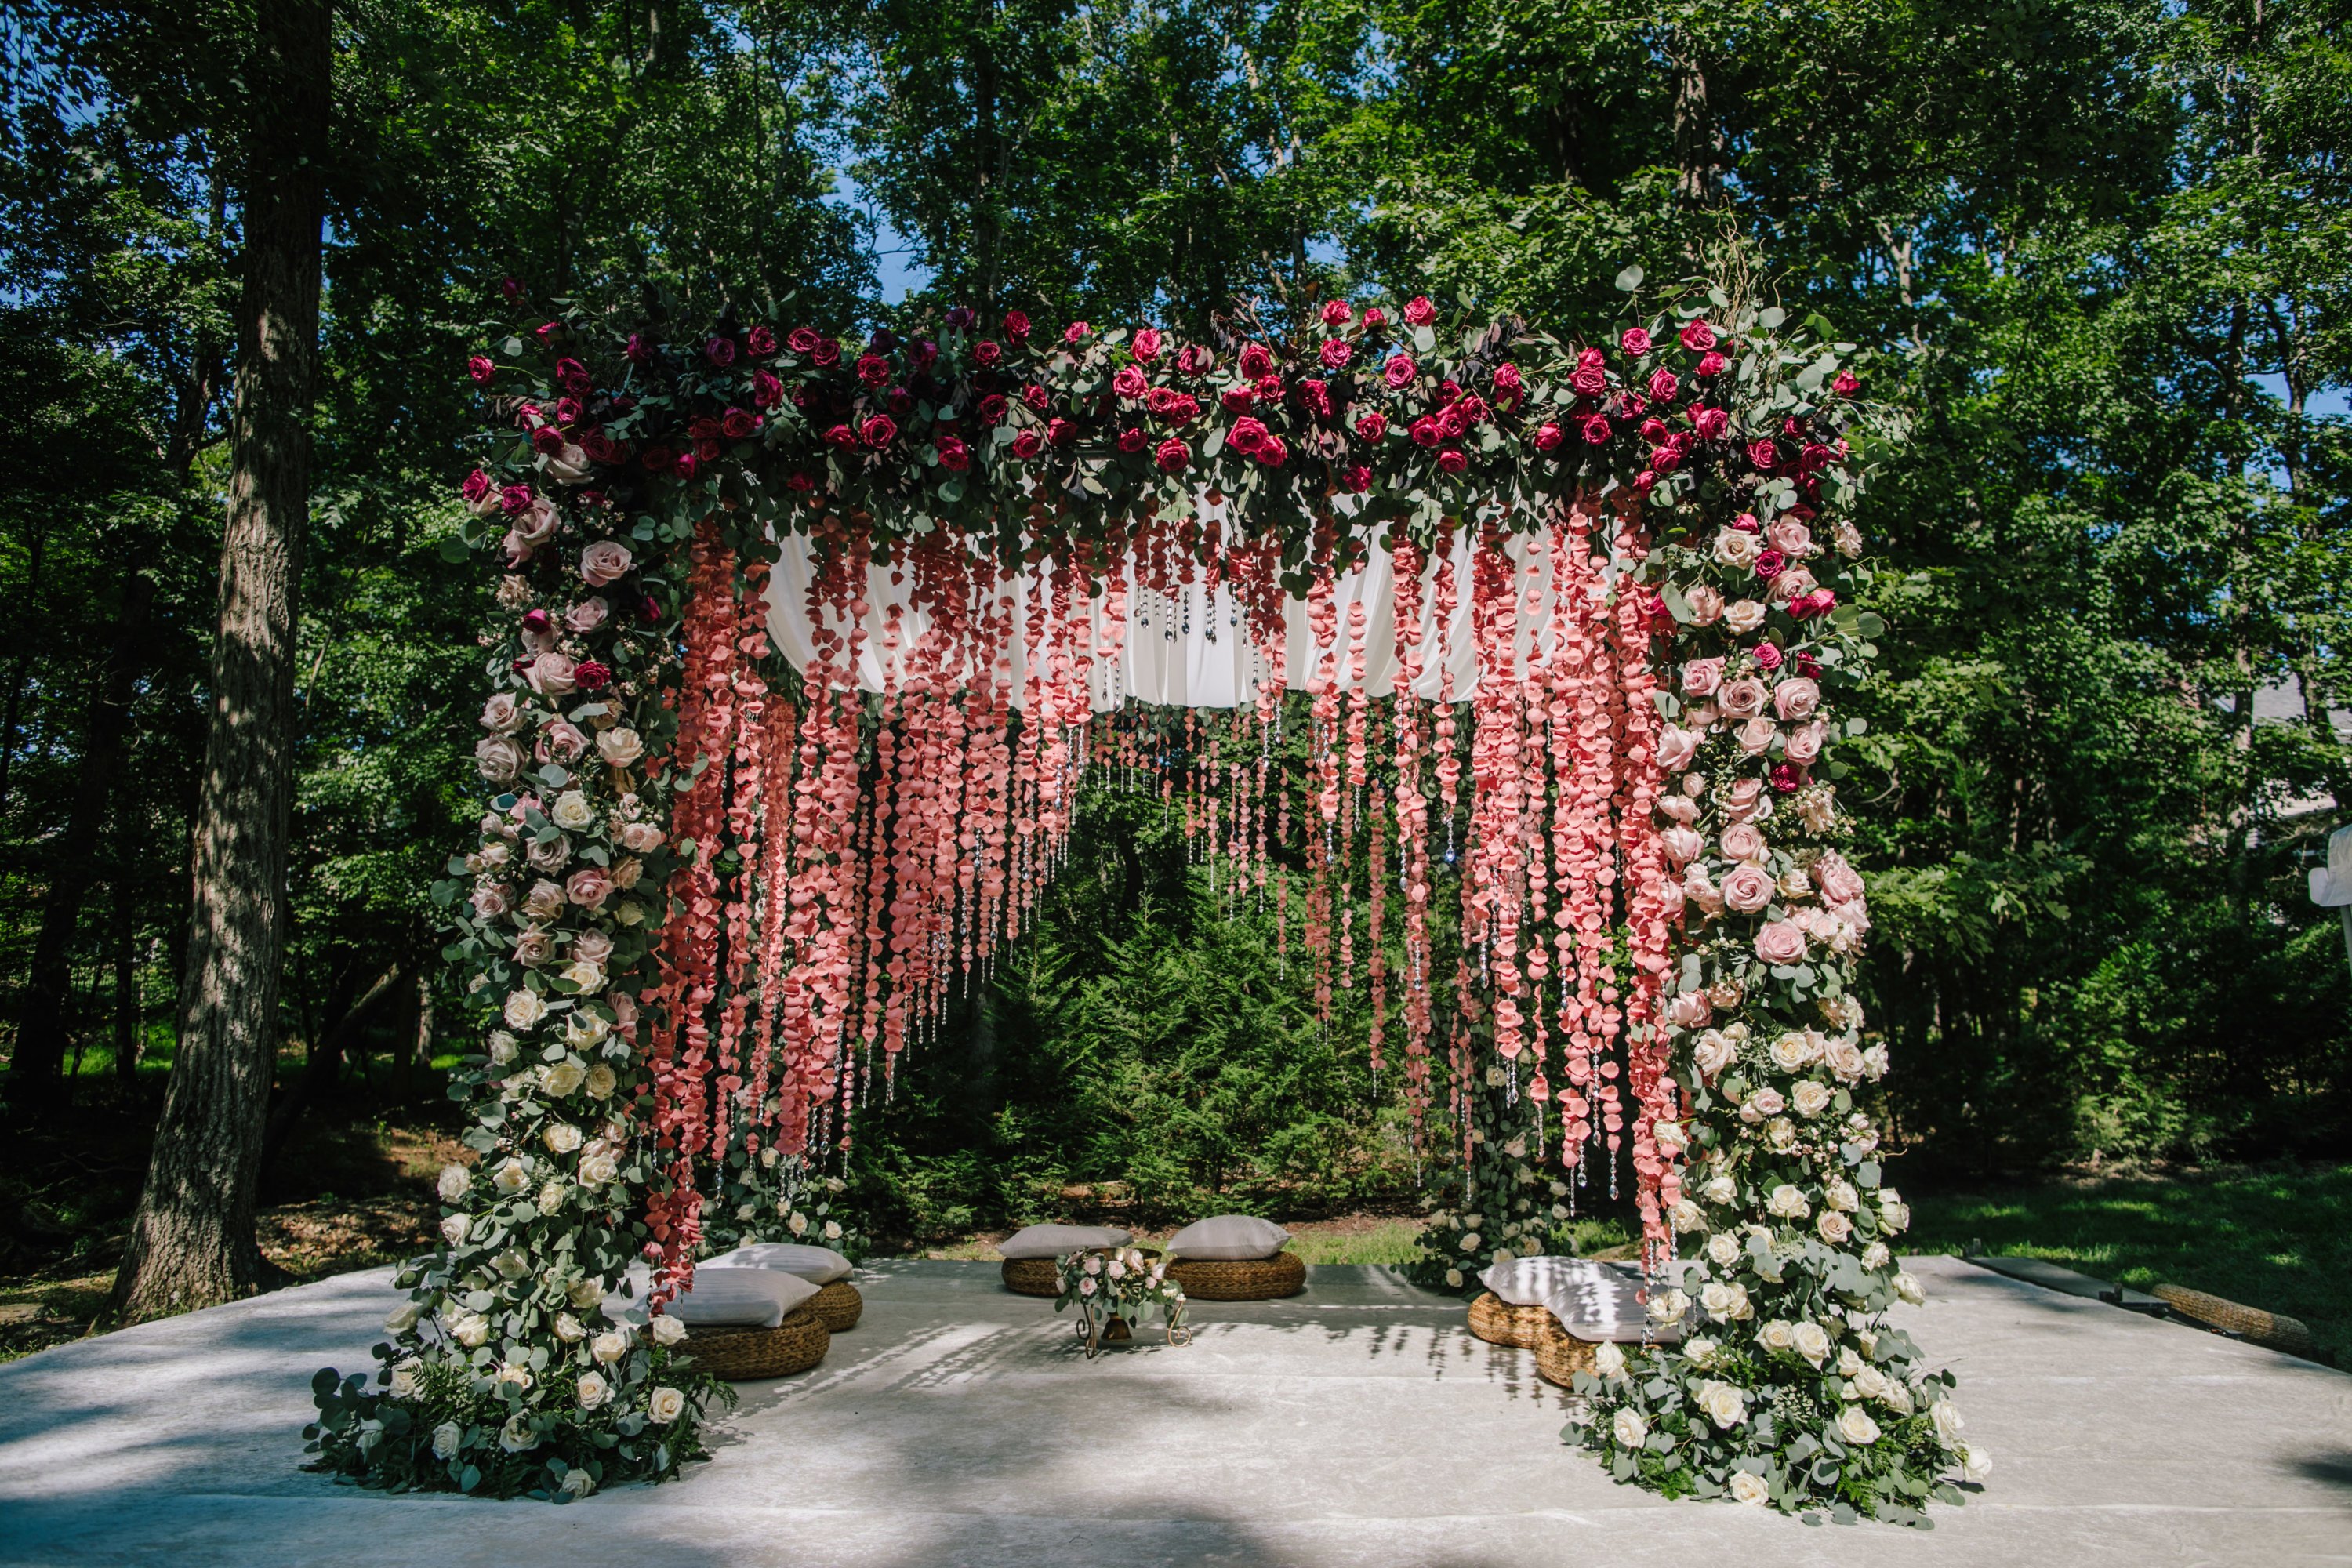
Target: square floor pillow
(1527,1281)
(1228,1238)
(817,1264)
(1059,1240)
(732,1298)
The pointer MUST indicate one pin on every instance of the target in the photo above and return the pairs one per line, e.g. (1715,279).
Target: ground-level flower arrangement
(1119,1286)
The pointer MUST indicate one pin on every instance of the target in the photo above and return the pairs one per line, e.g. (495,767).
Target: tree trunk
(33,1076)
(192,1243)
(417,1054)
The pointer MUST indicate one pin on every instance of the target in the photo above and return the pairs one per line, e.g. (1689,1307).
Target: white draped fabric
(1194,650)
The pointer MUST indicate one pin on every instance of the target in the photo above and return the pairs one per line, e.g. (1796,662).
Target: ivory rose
(1735,548)
(609,1346)
(1854,1425)
(596,1167)
(619,746)
(1628,1427)
(594,1391)
(1743,616)
(498,758)
(1747,1487)
(571,811)
(1725,1406)
(666,1330)
(524,1009)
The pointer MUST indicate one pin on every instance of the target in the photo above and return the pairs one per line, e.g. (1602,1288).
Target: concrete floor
(1359,1424)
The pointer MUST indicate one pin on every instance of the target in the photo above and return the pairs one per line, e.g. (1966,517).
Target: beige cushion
(818,1265)
(1059,1240)
(1228,1238)
(756,1298)
(1592,1300)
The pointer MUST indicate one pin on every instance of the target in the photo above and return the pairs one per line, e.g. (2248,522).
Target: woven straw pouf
(838,1306)
(1031,1277)
(738,1354)
(1498,1322)
(1560,1355)
(1240,1280)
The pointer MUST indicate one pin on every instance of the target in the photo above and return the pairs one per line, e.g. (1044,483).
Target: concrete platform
(1359,1424)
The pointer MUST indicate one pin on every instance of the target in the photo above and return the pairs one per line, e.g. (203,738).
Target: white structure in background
(2331,885)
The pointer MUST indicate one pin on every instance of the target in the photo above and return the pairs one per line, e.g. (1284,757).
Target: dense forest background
(2103,250)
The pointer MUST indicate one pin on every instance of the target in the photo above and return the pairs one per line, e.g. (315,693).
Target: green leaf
(1629,279)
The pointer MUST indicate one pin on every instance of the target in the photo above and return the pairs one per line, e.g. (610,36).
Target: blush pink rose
(1804,744)
(1744,698)
(606,561)
(502,713)
(562,741)
(1840,882)
(1743,841)
(1754,737)
(1781,942)
(589,887)
(1747,888)
(552,674)
(592,947)
(1682,845)
(498,758)
(1789,536)
(1676,746)
(1689,1010)
(1705,605)
(587,615)
(1796,699)
(641,837)
(1701,677)
(489,901)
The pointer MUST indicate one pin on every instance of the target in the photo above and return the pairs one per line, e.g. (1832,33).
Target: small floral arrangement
(773,1197)
(1118,1285)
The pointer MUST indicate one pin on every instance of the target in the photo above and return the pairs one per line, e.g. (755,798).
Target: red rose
(1194,360)
(1548,436)
(992,409)
(1356,479)
(1317,396)
(802,340)
(719,352)
(1336,313)
(1590,380)
(1814,458)
(1372,426)
(1016,326)
(1710,424)
(1271,452)
(638,352)
(1786,776)
(481,369)
(1769,564)
(476,486)
(687,465)
(655,460)
(1596,428)
(1846,386)
(873,369)
(1424,432)
(799,484)
(1419,311)
(760,341)
(1399,372)
(1508,384)
(1335,352)
(1132,439)
(1172,455)
(1710,365)
(1698,336)
(1026,446)
(1147,344)
(1375,317)
(879,430)
(547,438)
(1453,460)
(591,676)
(986,351)
(514,498)
(1634,341)
(1036,398)
(1076,333)
(1664,385)
(841,436)
(1762,456)
(954,456)
(1246,435)
(1061,432)
(1806,664)
(739,423)
(1129,383)
(826,353)
(1237,399)
(766,390)
(1767,655)
(1257,361)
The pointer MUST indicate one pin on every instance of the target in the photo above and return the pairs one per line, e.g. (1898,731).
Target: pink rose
(1548,436)
(1781,942)
(640,838)
(1399,372)
(1747,888)
(591,946)
(1763,455)
(1741,801)
(1419,311)
(1705,604)
(533,948)
(1701,677)
(552,674)
(563,741)
(1743,698)
(1076,333)
(1129,383)
(1804,744)
(1676,747)
(592,884)
(1634,341)
(1147,344)
(1711,364)
(1840,882)
(1689,1010)
(1756,736)
(1789,536)
(1709,424)
(1335,352)
(1271,452)
(489,901)
(1016,326)
(604,562)
(502,713)
(1698,336)
(1743,841)
(1796,699)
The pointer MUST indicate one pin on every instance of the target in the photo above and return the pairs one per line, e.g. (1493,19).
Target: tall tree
(192,1240)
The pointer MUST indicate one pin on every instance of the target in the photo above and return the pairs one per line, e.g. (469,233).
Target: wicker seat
(1031,1277)
(838,1306)
(738,1354)
(1498,1322)
(1240,1280)
(1560,1355)
(2272,1330)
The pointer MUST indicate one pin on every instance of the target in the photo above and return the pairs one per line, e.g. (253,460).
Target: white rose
(512,1175)
(583,1030)
(569,1328)
(516,1435)
(455,1180)
(524,1009)
(1897,1396)
(584,1292)
(1835,1227)
(1684,1216)
(446,1438)
(1454,1279)
(602,1082)
(471,1330)
(1854,1425)
(514,1375)
(588,977)
(619,746)
(560,1078)
(1894,1215)
(572,811)
(403,1317)
(593,1390)
(609,1346)
(1629,1428)
(1948,1424)
(1668,1306)
(1469,1241)
(503,1047)
(1908,1288)
(1750,1489)
(404,1383)
(1700,1349)
(1743,616)
(579,1483)
(560,1138)
(1777,1335)
(550,1198)
(1719,1189)
(1840,1194)
(597,1167)
(668,1330)
(1723,1249)
(666,1405)
(454,1229)
(1975,1463)
(1787,1203)
(1791,1051)
(797,1225)
(1870,1383)
(1725,1300)
(1875,1256)
(1844,1059)
(833,1231)
(1725,1406)
(1811,1340)
(1810,1096)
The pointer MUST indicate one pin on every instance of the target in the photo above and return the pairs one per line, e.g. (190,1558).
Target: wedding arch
(805,644)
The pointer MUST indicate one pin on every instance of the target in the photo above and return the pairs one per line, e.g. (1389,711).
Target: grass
(2277,1237)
